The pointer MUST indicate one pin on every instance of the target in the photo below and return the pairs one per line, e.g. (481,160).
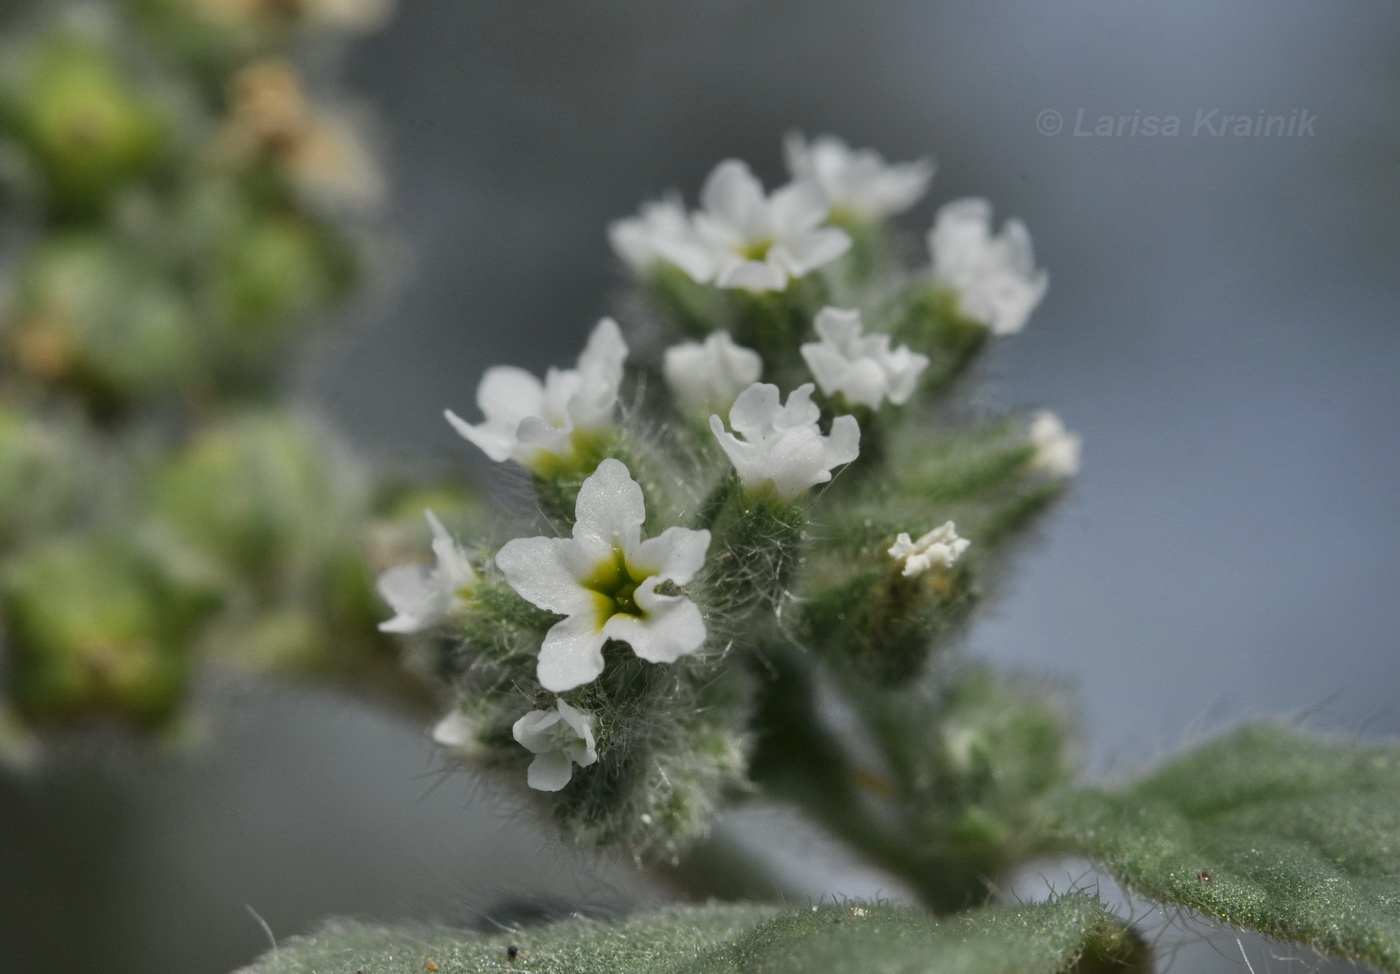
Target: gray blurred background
(1221,326)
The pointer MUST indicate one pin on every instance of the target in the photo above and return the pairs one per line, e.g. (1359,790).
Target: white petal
(828,366)
(797,462)
(493,439)
(598,377)
(747,458)
(865,383)
(754,409)
(843,444)
(454,569)
(752,275)
(675,555)
(582,725)
(535,730)
(550,771)
(804,253)
(839,326)
(509,394)
(671,628)
(535,436)
(798,207)
(453,731)
(546,571)
(733,194)
(799,409)
(416,601)
(572,653)
(610,507)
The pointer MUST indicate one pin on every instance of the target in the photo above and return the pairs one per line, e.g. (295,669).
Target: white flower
(782,444)
(705,378)
(609,583)
(559,739)
(862,368)
(662,232)
(758,242)
(532,422)
(423,595)
(856,181)
(941,547)
(1056,451)
(995,277)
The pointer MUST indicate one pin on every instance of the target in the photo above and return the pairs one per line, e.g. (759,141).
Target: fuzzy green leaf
(1295,836)
(1072,934)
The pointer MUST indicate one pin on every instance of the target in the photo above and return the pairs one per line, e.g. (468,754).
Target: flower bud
(87,127)
(98,627)
(95,318)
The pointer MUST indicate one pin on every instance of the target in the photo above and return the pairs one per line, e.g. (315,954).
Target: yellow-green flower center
(614,587)
(756,249)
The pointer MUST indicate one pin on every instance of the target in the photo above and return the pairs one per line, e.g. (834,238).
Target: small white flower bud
(939,547)
(1056,450)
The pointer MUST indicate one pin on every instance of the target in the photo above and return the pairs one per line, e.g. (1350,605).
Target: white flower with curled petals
(782,446)
(423,595)
(559,739)
(994,276)
(662,231)
(609,583)
(857,182)
(1056,450)
(940,547)
(861,367)
(759,242)
(705,377)
(533,422)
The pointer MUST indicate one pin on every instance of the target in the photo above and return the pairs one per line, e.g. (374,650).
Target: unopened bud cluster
(186,206)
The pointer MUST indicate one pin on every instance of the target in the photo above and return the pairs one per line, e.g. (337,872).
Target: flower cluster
(742,237)
(625,650)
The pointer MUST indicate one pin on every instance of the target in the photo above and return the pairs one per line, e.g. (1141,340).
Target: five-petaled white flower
(782,445)
(609,583)
(533,422)
(662,232)
(423,595)
(706,377)
(759,242)
(940,547)
(1056,450)
(857,182)
(559,739)
(994,276)
(861,367)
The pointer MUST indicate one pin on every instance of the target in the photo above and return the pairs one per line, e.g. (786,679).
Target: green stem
(800,759)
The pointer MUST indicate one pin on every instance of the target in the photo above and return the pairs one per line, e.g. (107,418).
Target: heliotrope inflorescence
(796,495)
